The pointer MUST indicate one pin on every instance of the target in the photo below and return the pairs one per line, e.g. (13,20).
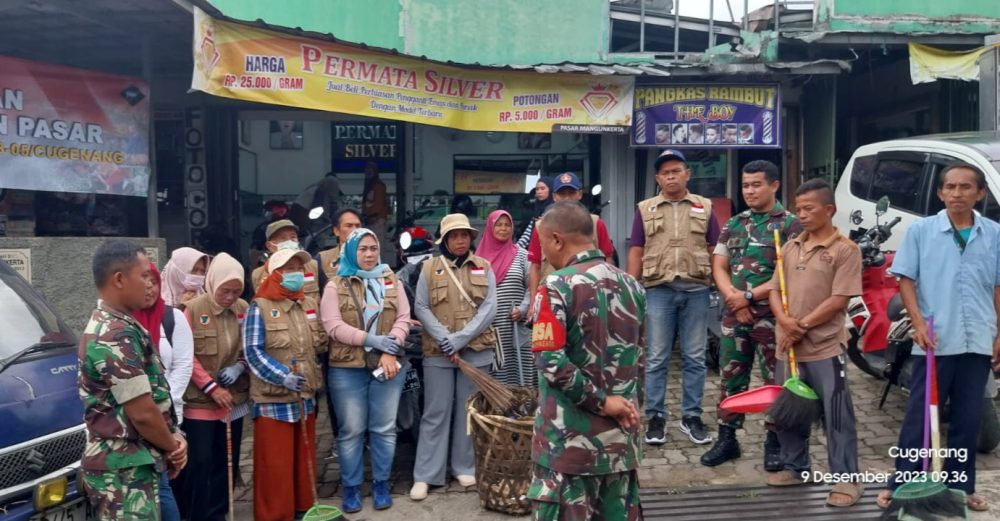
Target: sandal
(883,499)
(853,491)
(977,503)
(785,478)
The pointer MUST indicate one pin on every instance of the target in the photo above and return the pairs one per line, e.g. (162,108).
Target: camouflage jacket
(748,240)
(586,342)
(117,364)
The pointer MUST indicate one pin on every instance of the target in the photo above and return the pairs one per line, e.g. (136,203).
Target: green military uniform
(117,364)
(748,240)
(586,338)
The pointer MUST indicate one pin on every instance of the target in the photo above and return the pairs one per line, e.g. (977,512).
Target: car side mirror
(882,206)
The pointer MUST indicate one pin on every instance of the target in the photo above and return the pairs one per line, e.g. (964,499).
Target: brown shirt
(813,273)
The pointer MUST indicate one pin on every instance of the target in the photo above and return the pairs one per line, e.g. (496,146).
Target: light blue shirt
(955,288)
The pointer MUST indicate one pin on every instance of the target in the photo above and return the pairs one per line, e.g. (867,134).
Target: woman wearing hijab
(543,198)
(184,276)
(282,336)
(171,335)
(219,391)
(456,303)
(510,266)
(367,316)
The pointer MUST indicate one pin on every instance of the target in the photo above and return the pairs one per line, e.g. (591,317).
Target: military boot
(726,448)
(772,452)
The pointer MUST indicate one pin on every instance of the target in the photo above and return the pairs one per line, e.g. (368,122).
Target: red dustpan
(752,401)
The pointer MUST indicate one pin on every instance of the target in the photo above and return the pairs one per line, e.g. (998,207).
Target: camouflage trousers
(737,348)
(130,494)
(565,497)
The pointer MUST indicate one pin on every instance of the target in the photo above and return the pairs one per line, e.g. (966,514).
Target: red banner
(70,130)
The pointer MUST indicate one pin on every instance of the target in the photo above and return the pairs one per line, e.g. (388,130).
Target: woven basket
(503,455)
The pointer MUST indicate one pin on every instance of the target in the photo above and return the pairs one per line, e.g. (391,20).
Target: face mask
(293,281)
(193,282)
(288,245)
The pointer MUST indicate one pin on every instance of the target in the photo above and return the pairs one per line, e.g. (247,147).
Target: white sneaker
(419,491)
(466,481)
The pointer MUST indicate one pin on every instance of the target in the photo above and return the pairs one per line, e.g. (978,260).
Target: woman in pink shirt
(367,316)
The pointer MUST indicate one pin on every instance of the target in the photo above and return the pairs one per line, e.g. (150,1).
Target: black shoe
(726,448)
(772,453)
(695,429)
(656,431)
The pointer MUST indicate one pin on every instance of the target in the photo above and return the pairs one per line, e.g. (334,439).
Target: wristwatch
(748,295)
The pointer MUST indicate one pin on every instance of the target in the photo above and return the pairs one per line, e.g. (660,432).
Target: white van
(906,170)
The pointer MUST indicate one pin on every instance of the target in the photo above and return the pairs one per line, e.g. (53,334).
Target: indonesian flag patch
(311,314)
(476,270)
(697,208)
(310,277)
(240,317)
(548,333)
(389,284)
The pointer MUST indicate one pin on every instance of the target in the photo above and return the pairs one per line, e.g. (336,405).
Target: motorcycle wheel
(989,430)
(858,357)
(712,352)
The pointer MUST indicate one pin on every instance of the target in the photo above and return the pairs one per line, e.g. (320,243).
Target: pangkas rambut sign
(242,62)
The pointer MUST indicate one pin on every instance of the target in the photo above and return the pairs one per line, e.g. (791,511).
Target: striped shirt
(268,369)
(511,292)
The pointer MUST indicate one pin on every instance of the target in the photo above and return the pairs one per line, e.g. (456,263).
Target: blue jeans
(168,506)
(684,313)
(364,404)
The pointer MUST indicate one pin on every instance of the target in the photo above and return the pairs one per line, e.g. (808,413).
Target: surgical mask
(288,245)
(193,282)
(293,281)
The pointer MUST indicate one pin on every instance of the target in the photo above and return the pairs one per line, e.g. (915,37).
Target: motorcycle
(880,330)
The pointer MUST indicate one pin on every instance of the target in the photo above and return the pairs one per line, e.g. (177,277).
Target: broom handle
(229,463)
(305,438)
(784,297)
(936,461)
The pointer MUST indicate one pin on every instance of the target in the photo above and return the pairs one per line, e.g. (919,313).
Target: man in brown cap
(284,235)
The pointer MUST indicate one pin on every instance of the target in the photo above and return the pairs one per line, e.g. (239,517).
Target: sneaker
(381,497)
(695,429)
(419,491)
(466,480)
(352,499)
(656,431)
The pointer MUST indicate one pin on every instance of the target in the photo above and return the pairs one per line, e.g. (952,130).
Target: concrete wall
(463,31)
(60,269)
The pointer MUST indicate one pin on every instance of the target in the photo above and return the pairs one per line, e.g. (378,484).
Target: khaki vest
(290,332)
(343,355)
(675,240)
(217,344)
(448,304)
(311,288)
(548,268)
(329,261)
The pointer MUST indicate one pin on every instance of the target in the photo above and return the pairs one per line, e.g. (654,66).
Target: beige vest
(343,355)
(675,240)
(311,287)
(217,344)
(448,304)
(548,268)
(330,261)
(292,329)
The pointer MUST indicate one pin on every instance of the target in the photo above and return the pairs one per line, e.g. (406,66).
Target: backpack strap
(168,322)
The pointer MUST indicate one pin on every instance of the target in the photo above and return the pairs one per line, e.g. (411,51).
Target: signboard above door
(355,143)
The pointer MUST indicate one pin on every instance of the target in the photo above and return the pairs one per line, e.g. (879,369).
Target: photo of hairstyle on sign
(707,116)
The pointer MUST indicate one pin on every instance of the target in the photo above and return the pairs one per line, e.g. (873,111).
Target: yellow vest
(449,306)
(311,287)
(217,344)
(292,329)
(344,355)
(675,240)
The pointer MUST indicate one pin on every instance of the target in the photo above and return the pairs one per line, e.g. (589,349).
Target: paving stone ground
(673,465)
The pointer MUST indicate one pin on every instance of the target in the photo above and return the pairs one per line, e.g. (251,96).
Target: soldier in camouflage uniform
(743,263)
(132,435)
(587,334)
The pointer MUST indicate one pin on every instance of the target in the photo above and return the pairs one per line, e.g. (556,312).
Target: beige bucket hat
(456,221)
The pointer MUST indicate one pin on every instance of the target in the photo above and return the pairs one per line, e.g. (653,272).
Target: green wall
(925,8)
(909,16)
(489,32)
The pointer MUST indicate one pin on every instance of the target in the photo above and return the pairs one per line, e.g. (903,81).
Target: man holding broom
(822,271)
(949,269)
(586,340)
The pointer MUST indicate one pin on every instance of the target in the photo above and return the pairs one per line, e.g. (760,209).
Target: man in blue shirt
(949,269)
